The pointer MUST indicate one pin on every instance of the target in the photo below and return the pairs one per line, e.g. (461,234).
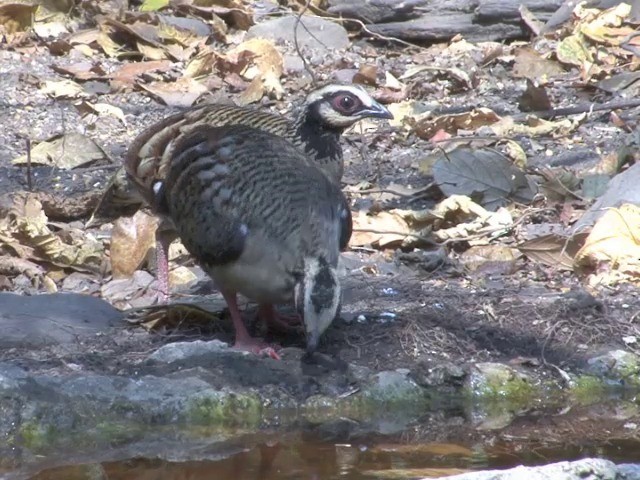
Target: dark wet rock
(586,469)
(313,32)
(617,365)
(56,318)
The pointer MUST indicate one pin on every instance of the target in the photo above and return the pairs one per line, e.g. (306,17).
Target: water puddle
(438,443)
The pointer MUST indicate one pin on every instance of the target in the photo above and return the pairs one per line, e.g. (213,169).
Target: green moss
(227,409)
(35,436)
(587,389)
(499,382)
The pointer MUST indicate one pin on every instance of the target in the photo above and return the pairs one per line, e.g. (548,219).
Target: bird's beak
(313,338)
(376,110)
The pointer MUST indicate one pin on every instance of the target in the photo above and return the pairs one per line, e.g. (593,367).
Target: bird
(261,219)
(315,131)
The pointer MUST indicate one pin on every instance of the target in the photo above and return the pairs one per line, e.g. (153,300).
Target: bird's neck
(323,139)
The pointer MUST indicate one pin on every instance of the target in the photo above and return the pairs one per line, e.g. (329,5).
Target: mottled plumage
(260,217)
(315,131)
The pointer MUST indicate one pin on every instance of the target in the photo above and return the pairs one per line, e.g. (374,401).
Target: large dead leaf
(127,74)
(63,89)
(27,224)
(469,121)
(264,70)
(484,175)
(553,250)
(611,252)
(131,240)
(489,260)
(182,93)
(535,127)
(67,151)
(386,229)
(530,64)
(573,50)
(16,17)
(81,70)
(90,111)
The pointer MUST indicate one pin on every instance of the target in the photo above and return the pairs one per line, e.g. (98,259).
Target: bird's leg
(162,266)
(282,323)
(244,341)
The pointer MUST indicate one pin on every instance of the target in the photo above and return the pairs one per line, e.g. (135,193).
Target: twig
(582,108)
(384,190)
(29,182)
(295,42)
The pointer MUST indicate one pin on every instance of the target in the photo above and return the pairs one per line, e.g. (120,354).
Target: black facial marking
(324,288)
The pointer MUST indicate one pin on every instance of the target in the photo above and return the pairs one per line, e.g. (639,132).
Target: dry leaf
(386,229)
(16,17)
(553,250)
(67,151)
(529,64)
(489,260)
(182,93)
(131,240)
(100,109)
(266,64)
(63,89)
(478,117)
(611,252)
(127,74)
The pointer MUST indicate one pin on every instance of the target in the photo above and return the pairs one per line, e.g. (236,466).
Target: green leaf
(153,5)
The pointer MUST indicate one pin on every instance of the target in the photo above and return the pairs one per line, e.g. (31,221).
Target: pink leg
(162,267)
(282,323)
(244,341)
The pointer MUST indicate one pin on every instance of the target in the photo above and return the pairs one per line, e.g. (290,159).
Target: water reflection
(437,444)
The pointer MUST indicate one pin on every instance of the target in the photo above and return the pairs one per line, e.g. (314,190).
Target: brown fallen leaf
(131,240)
(490,260)
(553,250)
(64,248)
(264,69)
(531,65)
(95,110)
(66,151)
(63,89)
(478,117)
(611,252)
(383,230)
(367,75)
(81,70)
(534,98)
(182,93)
(127,74)
(16,17)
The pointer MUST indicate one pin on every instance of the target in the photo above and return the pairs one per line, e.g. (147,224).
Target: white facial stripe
(355,90)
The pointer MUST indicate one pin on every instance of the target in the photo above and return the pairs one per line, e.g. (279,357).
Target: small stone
(312,32)
(174,352)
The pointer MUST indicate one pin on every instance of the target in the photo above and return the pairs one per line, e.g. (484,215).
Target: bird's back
(148,157)
(225,185)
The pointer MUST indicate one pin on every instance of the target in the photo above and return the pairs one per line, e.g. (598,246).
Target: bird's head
(317,298)
(340,106)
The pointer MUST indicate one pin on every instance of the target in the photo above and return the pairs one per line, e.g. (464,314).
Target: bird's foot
(278,322)
(257,347)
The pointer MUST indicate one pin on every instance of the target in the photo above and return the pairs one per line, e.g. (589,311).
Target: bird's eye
(346,104)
